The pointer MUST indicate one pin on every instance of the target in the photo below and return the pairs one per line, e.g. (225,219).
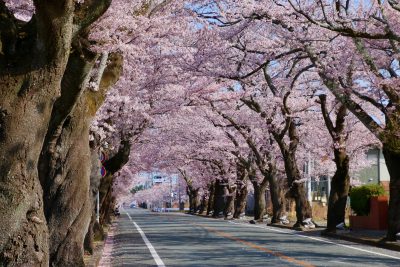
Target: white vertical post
(309,194)
(98,206)
(328,188)
(179,193)
(170,191)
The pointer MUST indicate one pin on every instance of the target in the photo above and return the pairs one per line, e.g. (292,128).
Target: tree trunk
(204,204)
(392,158)
(27,92)
(113,165)
(32,62)
(240,200)
(106,204)
(88,243)
(65,162)
(210,205)
(219,203)
(340,186)
(23,122)
(95,178)
(259,201)
(193,199)
(64,158)
(190,199)
(297,190)
(229,200)
(277,199)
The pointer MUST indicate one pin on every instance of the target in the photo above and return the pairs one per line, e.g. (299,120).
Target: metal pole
(179,193)
(309,194)
(329,189)
(170,191)
(98,206)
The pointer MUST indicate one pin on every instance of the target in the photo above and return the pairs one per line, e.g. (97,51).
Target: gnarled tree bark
(65,164)
(113,165)
(32,62)
(340,184)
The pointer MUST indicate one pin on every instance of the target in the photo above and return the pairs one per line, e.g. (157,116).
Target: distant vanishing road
(143,238)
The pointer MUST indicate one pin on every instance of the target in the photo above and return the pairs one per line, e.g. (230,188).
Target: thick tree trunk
(240,200)
(210,205)
(65,163)
(392,158)
(67,202)
(259,201)
(203,204)
(296,185)
(106,202)
(219,202)
(113,165)
(95,178)
(277,199)
(193,199)
(303,208)
(340,186)
(196,201)
(31,68)
(88,243)
(230,193)
(23,122)
(297,190)
(64,168)
(190,199)
(33,58)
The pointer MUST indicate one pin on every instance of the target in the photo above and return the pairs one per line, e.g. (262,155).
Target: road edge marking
(152,250)
(323,240)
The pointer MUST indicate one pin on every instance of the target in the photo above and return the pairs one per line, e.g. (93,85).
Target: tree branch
(89,12)
(325,115)
(345,99)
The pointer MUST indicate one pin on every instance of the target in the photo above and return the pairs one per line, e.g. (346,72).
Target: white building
(377,173)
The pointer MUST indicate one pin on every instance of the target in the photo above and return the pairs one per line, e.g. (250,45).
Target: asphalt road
(143,238)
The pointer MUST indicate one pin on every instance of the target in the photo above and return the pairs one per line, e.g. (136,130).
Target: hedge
(360,197)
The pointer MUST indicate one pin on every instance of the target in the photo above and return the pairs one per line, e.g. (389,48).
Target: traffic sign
(103,171)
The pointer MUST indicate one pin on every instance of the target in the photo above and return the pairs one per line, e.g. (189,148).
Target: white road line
(319,239)
(153,252)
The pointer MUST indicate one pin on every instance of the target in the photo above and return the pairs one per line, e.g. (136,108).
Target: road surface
(143,238)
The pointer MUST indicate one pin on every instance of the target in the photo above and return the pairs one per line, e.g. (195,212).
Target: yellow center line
(255,246)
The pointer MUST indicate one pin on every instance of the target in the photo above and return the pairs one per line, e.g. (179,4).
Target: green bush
(360,196)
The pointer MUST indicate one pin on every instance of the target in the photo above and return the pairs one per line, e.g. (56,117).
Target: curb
(298,229)
(379,244)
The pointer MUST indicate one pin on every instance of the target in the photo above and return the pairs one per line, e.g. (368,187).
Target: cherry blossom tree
(34,61)
(370,33)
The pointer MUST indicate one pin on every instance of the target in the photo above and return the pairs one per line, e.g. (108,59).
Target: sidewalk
(101,249)
(366,237)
